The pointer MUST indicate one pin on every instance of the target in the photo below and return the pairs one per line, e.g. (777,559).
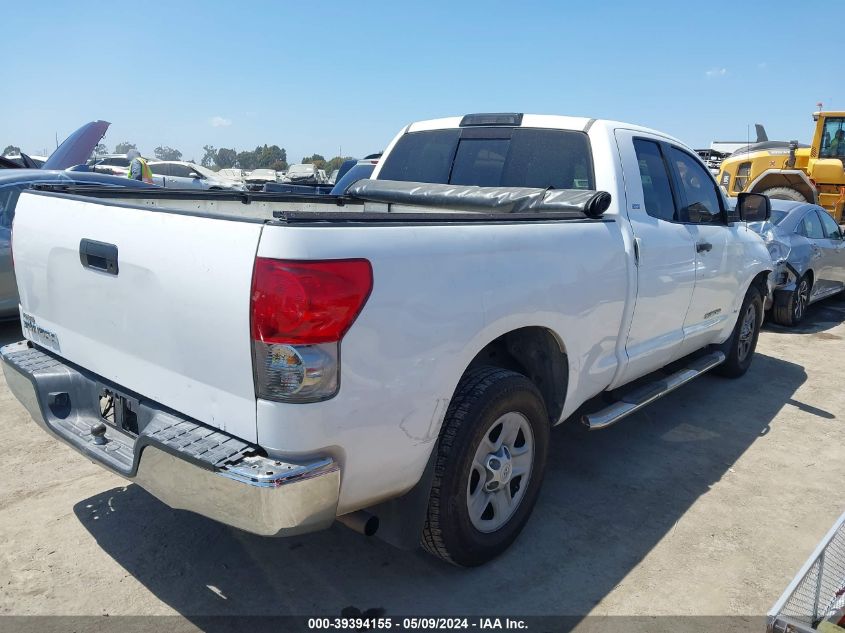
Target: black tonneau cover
(579,202)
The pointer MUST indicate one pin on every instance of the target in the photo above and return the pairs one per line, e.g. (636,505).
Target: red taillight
(307,302)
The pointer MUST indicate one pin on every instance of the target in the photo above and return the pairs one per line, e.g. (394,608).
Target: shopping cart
(818,591)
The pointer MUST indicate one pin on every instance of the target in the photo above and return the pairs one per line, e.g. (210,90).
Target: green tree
(271,157)
(167,153)
(335,163)
(209,157)
(11,149)
(125,146)
(262,157)
(318,160)
(101,149)
(247,160)
(225,158)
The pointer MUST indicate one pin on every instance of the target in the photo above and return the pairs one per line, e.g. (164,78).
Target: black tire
(739,348)
(784,193)
(483,396)
(790,307)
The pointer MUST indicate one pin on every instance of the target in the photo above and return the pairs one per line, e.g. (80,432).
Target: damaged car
(808,249)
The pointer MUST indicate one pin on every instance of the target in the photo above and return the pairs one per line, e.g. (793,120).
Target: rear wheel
(739,348)
(490,463)
(784,193)
(790,307)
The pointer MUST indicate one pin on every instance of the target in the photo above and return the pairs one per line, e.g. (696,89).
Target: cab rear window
(493,157)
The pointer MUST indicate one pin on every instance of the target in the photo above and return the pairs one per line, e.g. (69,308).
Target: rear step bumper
(187,465)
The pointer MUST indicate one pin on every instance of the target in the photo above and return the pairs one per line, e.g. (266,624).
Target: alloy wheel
(746,331)
(802,298)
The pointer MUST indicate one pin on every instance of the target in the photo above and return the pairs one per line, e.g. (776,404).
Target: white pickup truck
(393,359)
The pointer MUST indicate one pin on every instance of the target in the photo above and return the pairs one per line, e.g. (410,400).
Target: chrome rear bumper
(187,465)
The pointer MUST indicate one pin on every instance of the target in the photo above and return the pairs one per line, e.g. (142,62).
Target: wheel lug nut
(495,464)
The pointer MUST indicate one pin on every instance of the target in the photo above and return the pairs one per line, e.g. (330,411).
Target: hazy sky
(318,76)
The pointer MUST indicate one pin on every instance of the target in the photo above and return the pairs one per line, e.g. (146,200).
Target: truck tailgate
(169,321)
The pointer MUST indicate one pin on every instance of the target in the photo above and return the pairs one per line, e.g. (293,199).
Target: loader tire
(784,193)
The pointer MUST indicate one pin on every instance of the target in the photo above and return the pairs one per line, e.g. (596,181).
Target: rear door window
(657,192)
(180,171)
(829,225)
(493,157)
(811,226)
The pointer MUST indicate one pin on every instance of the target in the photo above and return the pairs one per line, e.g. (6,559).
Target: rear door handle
(100,256)
(703,247)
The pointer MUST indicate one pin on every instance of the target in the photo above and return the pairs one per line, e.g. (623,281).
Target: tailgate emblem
(38,334)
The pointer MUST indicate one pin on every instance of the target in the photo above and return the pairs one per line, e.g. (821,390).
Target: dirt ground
(706,503)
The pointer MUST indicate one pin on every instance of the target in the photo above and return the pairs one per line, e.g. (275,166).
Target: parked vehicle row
(393,358)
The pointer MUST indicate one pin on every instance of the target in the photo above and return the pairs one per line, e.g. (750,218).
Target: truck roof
(549,121)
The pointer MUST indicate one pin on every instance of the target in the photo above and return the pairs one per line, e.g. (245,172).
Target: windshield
(205,172)
(493,157)
(833,138)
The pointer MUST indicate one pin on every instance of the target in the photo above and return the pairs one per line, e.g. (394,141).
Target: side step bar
(648,393)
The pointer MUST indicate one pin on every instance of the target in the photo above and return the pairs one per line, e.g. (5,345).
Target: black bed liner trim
(370,218)
(317,218)
(192,194)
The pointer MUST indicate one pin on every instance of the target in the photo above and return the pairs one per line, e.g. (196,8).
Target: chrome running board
(648,393)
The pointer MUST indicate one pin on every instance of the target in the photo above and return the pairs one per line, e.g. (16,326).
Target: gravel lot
(707,503)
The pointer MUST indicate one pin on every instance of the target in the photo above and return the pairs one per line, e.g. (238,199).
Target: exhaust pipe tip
(360,521)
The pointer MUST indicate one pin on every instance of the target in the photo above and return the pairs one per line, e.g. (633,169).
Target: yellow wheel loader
(791,171)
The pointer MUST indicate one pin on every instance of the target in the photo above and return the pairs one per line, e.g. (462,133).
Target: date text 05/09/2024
(414,624)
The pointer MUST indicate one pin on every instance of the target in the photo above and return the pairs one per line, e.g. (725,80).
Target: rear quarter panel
(440,294)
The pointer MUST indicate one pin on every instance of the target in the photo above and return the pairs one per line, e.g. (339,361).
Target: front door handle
(703,247)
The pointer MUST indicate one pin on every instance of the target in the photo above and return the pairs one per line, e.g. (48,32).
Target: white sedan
(183,175)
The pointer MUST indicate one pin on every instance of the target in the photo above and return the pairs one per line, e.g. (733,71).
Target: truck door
(665,254)
(718,258)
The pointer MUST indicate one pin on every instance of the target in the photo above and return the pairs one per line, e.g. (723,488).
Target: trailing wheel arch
(538,354)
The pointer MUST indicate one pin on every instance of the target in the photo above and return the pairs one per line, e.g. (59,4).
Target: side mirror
(753,207)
